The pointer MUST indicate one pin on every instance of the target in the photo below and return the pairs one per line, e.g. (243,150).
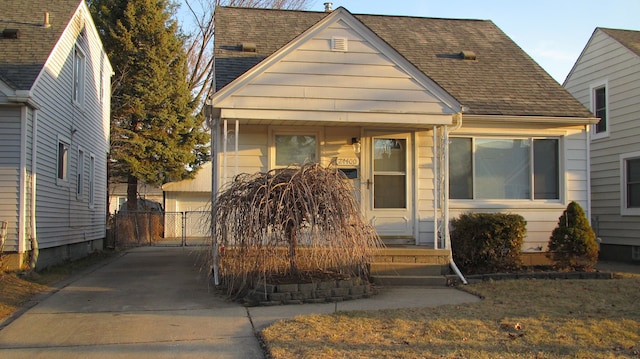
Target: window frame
(92,180)
(62,161)
(79,76)
(80,173)
(593,97)
(531,199)
(624,209)
(290,131)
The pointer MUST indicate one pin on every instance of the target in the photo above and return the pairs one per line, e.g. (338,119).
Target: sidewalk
(154,302)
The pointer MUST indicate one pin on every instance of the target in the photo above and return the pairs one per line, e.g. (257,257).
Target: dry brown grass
(516,319)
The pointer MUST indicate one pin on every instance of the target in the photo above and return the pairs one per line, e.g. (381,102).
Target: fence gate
(134,229)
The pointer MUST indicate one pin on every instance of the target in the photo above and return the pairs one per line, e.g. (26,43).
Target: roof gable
(503,80)
(354,77)
(22,59)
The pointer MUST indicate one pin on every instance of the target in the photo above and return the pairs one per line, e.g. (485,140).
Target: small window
(80,175)
(78,76)
(63,160)
(92,180)
(295,149)
(630,183)
(600,110)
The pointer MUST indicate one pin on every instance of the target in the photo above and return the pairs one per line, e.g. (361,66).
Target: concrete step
(421,281)
(407,269)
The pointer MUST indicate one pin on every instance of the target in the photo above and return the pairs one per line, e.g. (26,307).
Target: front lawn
(548,318)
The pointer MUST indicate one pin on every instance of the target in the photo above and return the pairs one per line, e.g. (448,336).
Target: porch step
(410,266)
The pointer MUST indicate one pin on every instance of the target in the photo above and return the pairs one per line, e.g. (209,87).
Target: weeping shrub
(488,242)
(573,242)
(294,222)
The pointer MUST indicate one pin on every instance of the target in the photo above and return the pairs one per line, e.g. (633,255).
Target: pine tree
(573,242)
(155,135)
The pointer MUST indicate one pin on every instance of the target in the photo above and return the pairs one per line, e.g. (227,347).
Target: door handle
(369,183)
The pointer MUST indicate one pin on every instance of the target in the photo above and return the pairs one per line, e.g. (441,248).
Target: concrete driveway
(155,302)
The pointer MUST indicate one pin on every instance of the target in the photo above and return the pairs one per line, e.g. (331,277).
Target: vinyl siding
(62,218)
(10,144)
(604,60)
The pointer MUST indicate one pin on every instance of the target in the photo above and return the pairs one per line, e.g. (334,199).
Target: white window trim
(79,100)
(92,180)
(511,203)
(592,97)
(80,173)
(624,210)
(65,180)
(273,131)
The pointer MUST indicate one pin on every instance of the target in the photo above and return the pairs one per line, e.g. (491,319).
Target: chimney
(46,23)
(327,7)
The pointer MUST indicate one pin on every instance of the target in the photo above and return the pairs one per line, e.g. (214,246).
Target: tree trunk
(132,193)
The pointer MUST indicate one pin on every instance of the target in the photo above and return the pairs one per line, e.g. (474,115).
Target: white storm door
(387,185)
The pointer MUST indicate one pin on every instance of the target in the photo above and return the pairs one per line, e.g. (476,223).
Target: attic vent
(468,55)
(248,47)
(339,44)
(10,33)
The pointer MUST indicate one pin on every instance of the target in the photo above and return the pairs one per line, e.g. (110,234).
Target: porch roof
(501,80)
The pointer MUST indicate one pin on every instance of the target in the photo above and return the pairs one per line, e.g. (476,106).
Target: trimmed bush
(488,242)
(573,243)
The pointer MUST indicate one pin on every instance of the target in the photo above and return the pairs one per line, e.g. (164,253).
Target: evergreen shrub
(488,242)
(573,242)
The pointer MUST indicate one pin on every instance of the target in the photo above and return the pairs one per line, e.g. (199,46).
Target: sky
(552,32)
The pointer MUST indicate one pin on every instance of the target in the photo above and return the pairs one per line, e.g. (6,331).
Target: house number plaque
(347,161)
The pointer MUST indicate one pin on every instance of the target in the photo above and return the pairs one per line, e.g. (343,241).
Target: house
(429,118)
(606,79)
(54,132)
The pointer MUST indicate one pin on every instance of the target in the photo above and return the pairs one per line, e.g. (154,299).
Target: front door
(388,186)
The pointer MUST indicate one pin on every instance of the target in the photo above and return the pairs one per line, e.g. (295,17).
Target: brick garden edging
(316,292)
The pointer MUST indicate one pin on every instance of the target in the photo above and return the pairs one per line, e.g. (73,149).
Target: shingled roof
(503,80)
(628,38)
(22,59)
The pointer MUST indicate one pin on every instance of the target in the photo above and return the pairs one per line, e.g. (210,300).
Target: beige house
(429,118)
(606,79)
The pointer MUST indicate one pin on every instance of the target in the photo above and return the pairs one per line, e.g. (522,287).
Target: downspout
(436,184)
(587,141)
(35,251)
(214,125)
(452,264)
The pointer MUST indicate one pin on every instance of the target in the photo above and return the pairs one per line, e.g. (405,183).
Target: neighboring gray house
(54,131)
(606,79)
(430,118)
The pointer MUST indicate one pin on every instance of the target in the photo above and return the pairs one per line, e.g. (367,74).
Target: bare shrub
(291,222)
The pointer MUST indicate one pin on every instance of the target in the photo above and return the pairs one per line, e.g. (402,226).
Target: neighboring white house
(430,118)
(606,79)
(54,131)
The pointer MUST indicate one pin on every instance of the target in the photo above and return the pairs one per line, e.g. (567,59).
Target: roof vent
(468,55)
(328,7)
(10,34)
(46,22)
(248,47)
(339,44)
